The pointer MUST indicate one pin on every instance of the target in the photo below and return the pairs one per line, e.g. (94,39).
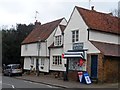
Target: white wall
(32,50)
(27,63)
(63,22)
(58,31)
(77,23)
(45,66)
(56,52)
(103,37)
(43,51)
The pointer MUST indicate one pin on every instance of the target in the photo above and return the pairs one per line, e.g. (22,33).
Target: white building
(88,42)
(93,36)
(35,49)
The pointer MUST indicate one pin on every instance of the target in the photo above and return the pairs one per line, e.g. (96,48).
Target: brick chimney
(37,23)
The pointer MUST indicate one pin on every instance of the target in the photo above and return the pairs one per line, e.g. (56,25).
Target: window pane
(73,36)
(77,35)
(53,60)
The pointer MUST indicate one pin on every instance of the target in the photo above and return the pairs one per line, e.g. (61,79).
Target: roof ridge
(102,22)
(53,21)
(96,11)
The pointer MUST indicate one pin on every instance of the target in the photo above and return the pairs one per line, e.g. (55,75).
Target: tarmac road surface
(9,82)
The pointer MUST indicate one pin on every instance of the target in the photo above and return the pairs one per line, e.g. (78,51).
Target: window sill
(57,65)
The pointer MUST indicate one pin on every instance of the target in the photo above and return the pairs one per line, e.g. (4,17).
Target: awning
(73,54)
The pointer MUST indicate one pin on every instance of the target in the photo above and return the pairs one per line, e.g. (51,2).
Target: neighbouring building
(57,64)
(35,47)
(93,36)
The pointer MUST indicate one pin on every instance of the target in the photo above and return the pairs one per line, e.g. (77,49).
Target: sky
(14,12)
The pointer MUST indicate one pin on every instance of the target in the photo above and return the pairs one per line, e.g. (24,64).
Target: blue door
(94,64)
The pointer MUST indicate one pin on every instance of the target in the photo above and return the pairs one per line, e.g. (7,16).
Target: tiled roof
(62,27)
(52,46)
(100,21)
(42,32)
(107,48)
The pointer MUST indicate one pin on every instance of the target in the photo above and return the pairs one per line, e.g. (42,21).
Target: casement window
(32,61)
(26,47)
(58,41)
(75,36)
(57,60)
(42,61)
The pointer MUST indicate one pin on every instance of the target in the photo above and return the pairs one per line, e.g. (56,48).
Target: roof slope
(107,48)
(100,21)
(62,27)
(42,32)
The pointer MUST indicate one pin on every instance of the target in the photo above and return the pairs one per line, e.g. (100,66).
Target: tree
(116,12)
(11,42)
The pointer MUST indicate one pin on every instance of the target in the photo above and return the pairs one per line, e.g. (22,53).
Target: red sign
(62,55)
(81,62)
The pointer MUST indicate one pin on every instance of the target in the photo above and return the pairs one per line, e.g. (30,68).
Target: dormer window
(58,41)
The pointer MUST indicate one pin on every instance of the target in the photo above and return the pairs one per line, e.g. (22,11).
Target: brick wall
(111,69)
(100,68)
(107,68)
(72,75)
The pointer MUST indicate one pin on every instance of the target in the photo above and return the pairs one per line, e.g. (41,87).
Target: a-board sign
(86,78)
(80,75)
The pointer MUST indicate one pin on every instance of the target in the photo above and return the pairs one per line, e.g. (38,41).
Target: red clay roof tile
(100,21)
(42,32)
(107,48)
(62,27)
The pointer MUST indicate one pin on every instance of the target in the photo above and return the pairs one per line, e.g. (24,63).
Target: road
(10,82)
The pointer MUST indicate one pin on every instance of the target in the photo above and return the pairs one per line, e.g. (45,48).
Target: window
(32,61)
(75,36)
(42,61)
(58,41)
(57,60)
(26,47)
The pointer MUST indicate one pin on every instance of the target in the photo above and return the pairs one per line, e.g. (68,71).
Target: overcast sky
(13,12)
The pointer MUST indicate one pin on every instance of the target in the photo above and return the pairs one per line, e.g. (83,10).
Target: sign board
(80,75)
(77,46)
(86,78)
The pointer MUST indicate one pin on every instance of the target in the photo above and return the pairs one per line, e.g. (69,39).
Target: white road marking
(49,86)
(13,86)
(9,85)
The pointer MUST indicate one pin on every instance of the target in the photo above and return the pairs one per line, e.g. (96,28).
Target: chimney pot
(92,7)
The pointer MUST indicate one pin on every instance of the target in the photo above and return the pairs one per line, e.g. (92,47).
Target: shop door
(94,63)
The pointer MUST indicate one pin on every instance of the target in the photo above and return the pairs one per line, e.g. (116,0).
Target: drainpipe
(46,54)
(37,61)
(88,33)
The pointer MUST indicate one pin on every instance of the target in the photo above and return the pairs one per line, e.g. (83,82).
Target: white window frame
(58,40)
(57,60)
(75,36)
(42,61)
(32,61)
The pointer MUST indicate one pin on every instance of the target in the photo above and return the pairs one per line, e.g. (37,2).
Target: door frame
(96,66)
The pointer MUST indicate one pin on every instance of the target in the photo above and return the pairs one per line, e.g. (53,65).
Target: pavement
(49,80)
